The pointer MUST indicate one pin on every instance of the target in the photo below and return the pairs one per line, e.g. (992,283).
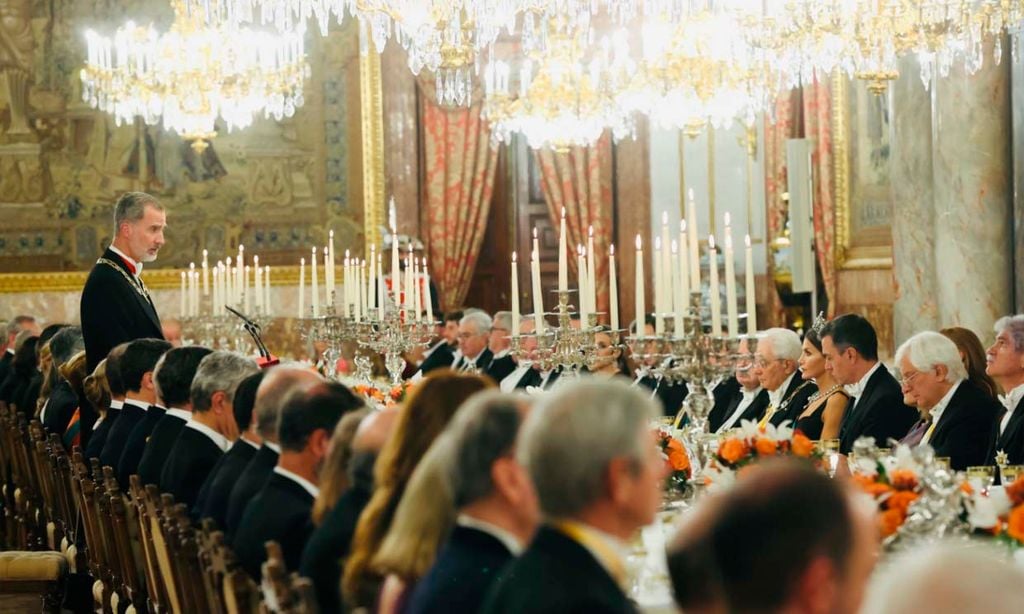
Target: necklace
(136,284)
(817,395)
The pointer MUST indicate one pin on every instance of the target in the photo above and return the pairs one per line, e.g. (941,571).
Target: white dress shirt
(219,440)
(937,411)
(509,383)
(140,404)
(507,539)
(1010,401)
(129,259)
(856,390)
(310,487)
(777,396)
(745,402)
(116,404)
(273,446)
(181,414)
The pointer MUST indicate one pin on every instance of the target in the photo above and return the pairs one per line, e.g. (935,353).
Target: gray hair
(785,343)
(974,578)
(273,392)
(220,371)
(131,206)
(66,343)
(571,436)
(502,319)
(927,350)
(18,324)
(480,321)
(483,430)
(1014,325)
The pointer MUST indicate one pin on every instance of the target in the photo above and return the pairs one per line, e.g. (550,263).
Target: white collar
(856,390)
(219,440)
(137,265)
(506,537)
(433,348)
(940,407)
(273,446)
(115,404)
(181,414)
(1011,399)
(745,402)
(310,487)
(502,353)
(253,445)
(140,404)
(472,361)
(10,351)
(777,396)
(456,357)
(509,383)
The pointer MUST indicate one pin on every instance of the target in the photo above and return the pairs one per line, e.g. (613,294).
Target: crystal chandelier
(196,73)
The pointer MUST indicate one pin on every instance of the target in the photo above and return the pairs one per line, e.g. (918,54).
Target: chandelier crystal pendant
(200,71)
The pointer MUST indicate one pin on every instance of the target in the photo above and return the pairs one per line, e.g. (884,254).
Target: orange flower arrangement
(753,443)
(677,460)
(1001,517)
(894,492)
(802,445)
(1015,523)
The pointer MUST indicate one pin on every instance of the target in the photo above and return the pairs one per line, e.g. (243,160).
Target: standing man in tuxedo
(116,306)
(474,334)
(959,415)
(500,345)
(775,365)
(876,408)
(1006,365)
(211,428)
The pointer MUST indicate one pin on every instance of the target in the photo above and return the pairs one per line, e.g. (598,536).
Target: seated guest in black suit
(211,428)
(474,334)
(595,502)
(775,365)
(746,400)
(14,326)
(788,540)
(500,345)
(1006,366)
(670,394)
(24,366)
(960,416)
(281,511)
(876,408)
(212,501)
(137,364)
(525,373)
(496,502)
(110,378)
(174,374)
(61,404)
(331,542)
(441,354)
(277,385)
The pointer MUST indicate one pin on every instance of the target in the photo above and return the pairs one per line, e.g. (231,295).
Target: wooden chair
(229,588)
(156,505)
(131,569)
(284,593)
(96,553)
(155,589)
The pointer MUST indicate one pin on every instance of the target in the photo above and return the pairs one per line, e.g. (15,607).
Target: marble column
(971,167)
(1017,98)
(916,307)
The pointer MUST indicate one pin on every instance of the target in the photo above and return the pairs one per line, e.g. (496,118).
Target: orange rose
(673,444)
(732,450)
(802,446)
(966,488)
(901,500)
(870,486)
(903,479)
(1015,491)
(1015,524)
(766,447)
(678,460)
(889,522)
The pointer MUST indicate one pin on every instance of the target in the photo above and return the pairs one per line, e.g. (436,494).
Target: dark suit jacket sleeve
(891,419)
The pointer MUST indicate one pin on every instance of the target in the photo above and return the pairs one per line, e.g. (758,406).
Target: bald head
(374,431)
(278,384)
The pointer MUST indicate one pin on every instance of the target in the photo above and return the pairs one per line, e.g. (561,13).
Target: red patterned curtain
(459,182)
(581,181)
(817,115)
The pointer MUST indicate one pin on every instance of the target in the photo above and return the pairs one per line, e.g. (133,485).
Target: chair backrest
(155,589)
(95,544)
(283,592)
(185,557)
(229,588)
(127,542)
(156,505)
(105,519)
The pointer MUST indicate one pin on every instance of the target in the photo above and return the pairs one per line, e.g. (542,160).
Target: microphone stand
(266,359)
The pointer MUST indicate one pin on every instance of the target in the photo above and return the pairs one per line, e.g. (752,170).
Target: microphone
(266,359)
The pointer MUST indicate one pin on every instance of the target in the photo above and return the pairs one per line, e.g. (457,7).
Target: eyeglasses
(906,380)
(761,363)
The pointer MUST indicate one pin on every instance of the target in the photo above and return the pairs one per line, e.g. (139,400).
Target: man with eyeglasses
(747,400)
(775,365)
(958,415)
(474,333)
(850,346)
(500,345)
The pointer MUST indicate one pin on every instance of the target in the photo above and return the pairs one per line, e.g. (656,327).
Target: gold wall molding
(371,111)
(158,279)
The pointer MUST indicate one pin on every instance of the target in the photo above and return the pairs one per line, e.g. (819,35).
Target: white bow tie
(1007,401)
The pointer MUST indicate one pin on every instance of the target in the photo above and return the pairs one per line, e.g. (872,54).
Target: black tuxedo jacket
(963,431)
(213,496)
(117,437)
(253,477)
(500,368)
(5,365)
(331,542)
(878,413)
(280,511)
(27,393)
(188,464)
(60,407)
(100,433)
(720,413)
(136,445)
(671,396)
(442,357)
(481,363)
(1011,440)
(159,445)
(113,311)
(797,394)
(464,569)
(555,575)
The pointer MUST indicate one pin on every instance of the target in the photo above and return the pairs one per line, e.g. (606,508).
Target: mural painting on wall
(870,168)
(63,164)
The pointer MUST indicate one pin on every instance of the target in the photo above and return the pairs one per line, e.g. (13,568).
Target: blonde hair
(334,478)
(97,390)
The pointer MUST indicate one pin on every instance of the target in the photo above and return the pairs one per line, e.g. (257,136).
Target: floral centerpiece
(399,393)
(383,397)
(677,459)
(893,489)
(998,511)
(369,392)
(752,444)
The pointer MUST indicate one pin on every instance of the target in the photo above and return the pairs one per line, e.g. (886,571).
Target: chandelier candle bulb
(314,286)
(258,285)
(206,275)
(613,290)
(581,267)
(191,281)
(514,294)
(408,297)
(684,270)
(396,277)
(330,243)
(429,302)
(302,288)
(183,291)
(667,261)
(328,294)
(229,286)
(266,291)
(372,281)
(215,299)
(716,299)
(731,305)
(536,248)
(538,295)
(751,294)
(591,273)
(679,292)
(563,254)
(381,286)
(246,290)
(641,309)
(416,289)
(659,289)
(691,221)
